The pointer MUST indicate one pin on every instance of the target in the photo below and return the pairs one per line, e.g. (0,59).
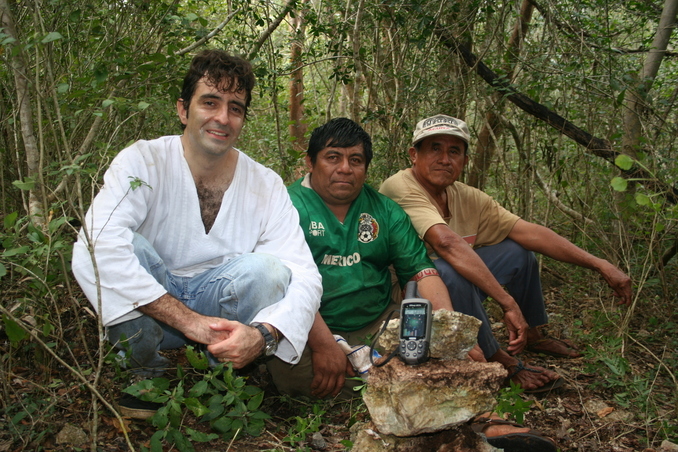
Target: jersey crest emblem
(368,228)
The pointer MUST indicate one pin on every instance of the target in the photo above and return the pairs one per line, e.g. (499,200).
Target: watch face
(271,349)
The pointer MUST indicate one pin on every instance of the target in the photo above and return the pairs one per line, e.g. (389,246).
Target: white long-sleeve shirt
(256,215)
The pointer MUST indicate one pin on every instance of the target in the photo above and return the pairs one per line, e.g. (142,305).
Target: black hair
(339,133)
(222,70)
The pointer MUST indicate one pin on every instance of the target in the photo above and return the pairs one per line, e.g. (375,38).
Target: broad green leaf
(624,162)
(197,359)
(255,401)
(156,440)
(223,424)
(53,36)
(10,220)
(200,436)
(196,407)
(259,415)
(198,389)
(160,418)
(643,200)
(107,102)
(3,271)
(14,332)
(143,105)
(619,183)
(252,390)
(183,444)
(26,184)
(63,88)
(15,251)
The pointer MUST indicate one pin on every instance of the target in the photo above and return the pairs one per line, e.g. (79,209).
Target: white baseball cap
(441,125)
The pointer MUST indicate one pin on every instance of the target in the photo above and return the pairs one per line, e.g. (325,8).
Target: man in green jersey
(355,234)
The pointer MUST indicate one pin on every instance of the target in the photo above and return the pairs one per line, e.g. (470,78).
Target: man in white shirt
(191,240)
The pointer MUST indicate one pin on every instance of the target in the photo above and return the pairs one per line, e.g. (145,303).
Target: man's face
(338,174)
(213,120)
(439,161)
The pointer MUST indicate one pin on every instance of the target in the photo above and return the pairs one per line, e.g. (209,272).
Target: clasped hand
(228,340)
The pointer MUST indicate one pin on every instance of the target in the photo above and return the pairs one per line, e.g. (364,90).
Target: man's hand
(330,367)
(242,343)
(476,354)
(517,329)
(174,313)
(619,282)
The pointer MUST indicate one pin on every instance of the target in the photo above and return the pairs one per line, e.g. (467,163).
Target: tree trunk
(35,208)
(492,128)
(356,92)
(297,125)
(636,99)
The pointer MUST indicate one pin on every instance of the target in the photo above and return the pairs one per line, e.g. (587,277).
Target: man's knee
(268,268)
(261,275)
(456,284)
(509,252)
(293,380)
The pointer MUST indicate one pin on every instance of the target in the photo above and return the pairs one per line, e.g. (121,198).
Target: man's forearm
(456,251)
(542,240)
(320,335)
(171,311)
(434,290)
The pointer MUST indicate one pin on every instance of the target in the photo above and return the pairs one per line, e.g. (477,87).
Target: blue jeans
(237,290)
(515,268)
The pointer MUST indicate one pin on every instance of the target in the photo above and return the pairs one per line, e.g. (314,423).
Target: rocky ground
(584,415)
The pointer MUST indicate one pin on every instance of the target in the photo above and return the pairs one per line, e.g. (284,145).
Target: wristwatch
(270,343)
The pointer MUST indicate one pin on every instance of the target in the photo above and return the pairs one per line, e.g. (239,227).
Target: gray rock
(453,334)
(73,435)
(434,396)
(668,446)
(459,439)
(318,442)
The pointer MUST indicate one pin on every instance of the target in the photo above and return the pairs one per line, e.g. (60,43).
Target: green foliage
(20,419)
(35,253)
(14,332)
(220,398)
(305,426)
(510,402)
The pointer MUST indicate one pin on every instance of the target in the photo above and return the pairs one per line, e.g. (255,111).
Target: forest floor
(618,396)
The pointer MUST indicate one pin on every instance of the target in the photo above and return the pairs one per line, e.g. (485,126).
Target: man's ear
(413,155)
(309,164)
(182,112)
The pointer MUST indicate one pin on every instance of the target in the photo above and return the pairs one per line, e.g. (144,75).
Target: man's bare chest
(210,199)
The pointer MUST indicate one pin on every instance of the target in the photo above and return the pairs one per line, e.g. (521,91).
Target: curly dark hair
(220,69)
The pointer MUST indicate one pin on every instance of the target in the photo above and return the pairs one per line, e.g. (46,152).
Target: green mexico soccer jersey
(353,257)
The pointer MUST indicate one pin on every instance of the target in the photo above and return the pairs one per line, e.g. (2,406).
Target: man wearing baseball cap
(478,246)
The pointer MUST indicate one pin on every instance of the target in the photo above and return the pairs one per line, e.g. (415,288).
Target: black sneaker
(134,408)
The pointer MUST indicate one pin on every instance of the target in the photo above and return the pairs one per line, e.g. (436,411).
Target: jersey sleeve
(408,252)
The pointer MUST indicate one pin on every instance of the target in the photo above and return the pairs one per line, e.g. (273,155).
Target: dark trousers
(515,268)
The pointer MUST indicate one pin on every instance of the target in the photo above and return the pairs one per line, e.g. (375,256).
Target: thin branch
(77,374)
(208,36)
(271,28)
(597,146)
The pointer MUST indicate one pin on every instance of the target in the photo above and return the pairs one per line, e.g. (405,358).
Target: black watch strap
(270,343)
